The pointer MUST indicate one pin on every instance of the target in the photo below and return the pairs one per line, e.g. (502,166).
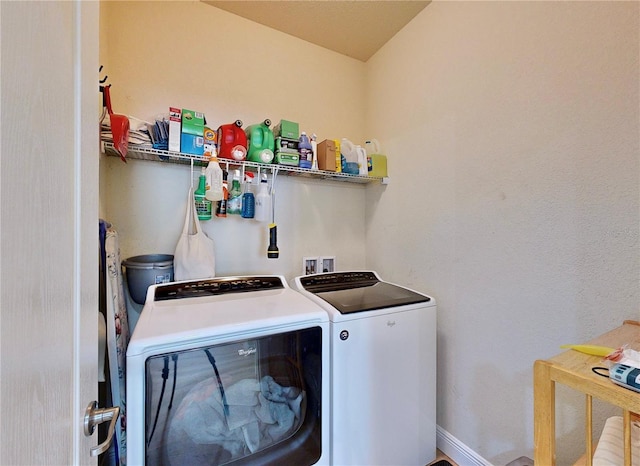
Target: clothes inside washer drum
(261,413)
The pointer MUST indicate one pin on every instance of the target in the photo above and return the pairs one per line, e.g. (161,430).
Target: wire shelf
(163,156)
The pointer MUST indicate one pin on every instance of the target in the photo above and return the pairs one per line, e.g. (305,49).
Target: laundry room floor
(440,458)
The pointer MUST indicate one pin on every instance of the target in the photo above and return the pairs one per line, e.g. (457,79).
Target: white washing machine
(228,370)
(383,368)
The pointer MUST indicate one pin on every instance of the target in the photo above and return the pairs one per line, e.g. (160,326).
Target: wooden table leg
(588,427)
(626,422)
(544,414)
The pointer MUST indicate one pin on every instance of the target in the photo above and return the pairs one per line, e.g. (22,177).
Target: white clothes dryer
(228,370)
(383,368)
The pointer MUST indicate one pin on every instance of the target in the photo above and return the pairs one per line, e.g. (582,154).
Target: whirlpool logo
(246,352)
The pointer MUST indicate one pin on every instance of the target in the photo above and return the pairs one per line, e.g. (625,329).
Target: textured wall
(512,135)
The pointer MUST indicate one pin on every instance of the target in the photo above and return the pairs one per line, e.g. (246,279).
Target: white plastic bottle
(314,151)
(213,175)
(362,161)
(263,201)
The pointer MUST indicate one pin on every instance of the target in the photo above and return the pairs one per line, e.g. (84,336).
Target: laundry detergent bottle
(232,141)
(260,142)
(305,151)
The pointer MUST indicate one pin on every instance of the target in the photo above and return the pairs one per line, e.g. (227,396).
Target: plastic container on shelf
(362,161)
(260,142)
(372,146)
(305,150)
(348,150)
(232,141)
(376,160)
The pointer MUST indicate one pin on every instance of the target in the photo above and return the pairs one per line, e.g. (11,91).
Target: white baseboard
(457,451)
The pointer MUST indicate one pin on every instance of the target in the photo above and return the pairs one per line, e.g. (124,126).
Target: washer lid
(351,292)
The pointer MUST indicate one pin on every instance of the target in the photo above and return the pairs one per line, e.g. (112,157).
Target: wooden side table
(573,369)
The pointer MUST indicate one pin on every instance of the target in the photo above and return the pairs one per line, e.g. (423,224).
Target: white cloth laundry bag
(194,257)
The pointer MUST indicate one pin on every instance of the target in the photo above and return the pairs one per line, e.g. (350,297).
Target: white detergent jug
(348,149)
(372,146)
(362,161)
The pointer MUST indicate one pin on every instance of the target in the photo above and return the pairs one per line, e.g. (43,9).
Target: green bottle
(203,205)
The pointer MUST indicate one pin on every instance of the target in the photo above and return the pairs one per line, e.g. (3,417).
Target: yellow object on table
(595,350)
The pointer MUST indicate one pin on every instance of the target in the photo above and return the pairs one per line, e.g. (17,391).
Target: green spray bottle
(203,205)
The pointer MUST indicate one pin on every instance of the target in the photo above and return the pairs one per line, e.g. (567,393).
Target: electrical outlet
(327,263)
(309,265)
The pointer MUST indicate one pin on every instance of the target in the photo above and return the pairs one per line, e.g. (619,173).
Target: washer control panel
(216,286)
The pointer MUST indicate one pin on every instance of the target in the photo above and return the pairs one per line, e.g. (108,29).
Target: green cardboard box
(287,129)
(192,122)
(284,157)
(192,133)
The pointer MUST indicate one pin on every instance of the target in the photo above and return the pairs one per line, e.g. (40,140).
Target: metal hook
(191,159)
(102,81)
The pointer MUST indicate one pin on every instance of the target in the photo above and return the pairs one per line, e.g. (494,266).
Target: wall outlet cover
(327,263)
(309,265)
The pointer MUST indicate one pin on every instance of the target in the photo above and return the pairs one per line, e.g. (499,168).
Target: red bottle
(232,141)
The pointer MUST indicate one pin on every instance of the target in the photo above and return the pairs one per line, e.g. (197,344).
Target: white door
(49,230)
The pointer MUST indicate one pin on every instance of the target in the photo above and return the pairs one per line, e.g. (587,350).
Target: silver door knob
(94,416)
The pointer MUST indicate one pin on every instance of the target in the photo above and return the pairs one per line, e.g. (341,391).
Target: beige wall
(195,56)
(513,143)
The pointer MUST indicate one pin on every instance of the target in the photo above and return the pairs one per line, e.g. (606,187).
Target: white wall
(512,135)
(195,56)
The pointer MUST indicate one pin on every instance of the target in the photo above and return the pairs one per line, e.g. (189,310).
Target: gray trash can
(146,270)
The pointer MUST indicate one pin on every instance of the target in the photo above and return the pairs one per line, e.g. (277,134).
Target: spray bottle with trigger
(263,200)
(314,151)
